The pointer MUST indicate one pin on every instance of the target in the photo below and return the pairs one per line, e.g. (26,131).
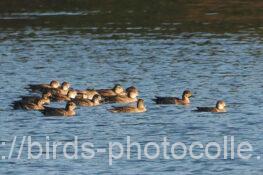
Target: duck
(131,109)
(34,99)
(29,105)
(70,95)
(129,98)
(116,90)
(68,111)
(86,102)
(220,107)
(174,100)
(88,93)
(54,84)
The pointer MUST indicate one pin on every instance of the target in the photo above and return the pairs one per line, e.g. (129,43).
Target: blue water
(213,66)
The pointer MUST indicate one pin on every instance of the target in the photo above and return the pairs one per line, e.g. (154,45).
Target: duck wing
(16,104)
(60,98)
(25,105)
(165,100)
(124,109)
(37,87)
(48,111)
(205,109)
(83,102)
(119,99)
(30,99)
(106,92)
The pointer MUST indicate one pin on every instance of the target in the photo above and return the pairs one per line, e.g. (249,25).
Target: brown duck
(174,100)
(69,110)
(220,107)
(54,84)
(34,99)
(116,90)
(29,105)
(131,109)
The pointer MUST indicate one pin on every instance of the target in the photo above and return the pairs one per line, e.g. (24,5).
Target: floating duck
(116,90)
(131,109)
(175,100)
(220,107)
(54,84)
(34,99)
(69,110)
(29,105)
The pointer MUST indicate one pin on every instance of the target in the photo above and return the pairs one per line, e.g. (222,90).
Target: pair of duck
(56,92)
(185,100)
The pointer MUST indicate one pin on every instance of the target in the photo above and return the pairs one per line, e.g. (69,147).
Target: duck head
(132,88)
(187,94)
(70,106)
(140,104)
(65,86)
(132,94)
(72,94)
(220,105)
(96,99)
(118,89)
(54,84)
(46,95)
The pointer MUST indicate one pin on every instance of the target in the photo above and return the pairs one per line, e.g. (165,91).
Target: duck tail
(155,99)
(15,105)
(27,87)
(30,87)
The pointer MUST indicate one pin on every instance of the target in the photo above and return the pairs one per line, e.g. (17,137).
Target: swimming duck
(54,84)
(131,109)
(129,98)
(29,105)
(88,93)
(69,110)
(86,102)
(34,99)
(220,107)
(70,95)
(174,100)
(116,90)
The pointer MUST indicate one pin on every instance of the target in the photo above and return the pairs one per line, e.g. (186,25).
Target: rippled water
(213,66)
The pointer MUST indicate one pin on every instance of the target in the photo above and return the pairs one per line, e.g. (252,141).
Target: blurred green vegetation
(120,15)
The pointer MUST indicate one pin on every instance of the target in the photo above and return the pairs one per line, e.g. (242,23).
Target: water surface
(216,53)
